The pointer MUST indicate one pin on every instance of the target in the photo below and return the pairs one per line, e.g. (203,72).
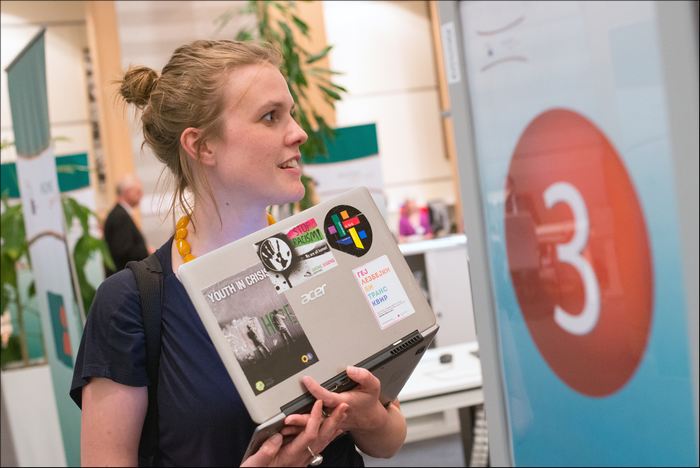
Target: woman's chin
(290,195)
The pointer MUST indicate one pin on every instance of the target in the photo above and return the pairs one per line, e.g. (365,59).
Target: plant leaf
(106,256)
(72,168)
(12,352)
(303,27)
(244,35)
(280,6)
(338,87)
(323,71)
(9,278)
(325,80)
(68,211)
(81,252)
(14,242)
(81,212)
(319,56)
(330,93)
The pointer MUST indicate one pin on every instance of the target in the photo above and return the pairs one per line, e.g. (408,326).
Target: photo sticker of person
(261,328)
(293,257)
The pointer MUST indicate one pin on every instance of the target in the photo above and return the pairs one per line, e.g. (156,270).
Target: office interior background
(453,98)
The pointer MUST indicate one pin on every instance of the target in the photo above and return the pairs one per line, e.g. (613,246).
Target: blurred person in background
(123,237)
(414,222)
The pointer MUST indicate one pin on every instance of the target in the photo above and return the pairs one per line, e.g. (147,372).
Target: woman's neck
(213,232)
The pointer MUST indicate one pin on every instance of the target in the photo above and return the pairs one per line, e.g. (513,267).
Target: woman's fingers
(363,377)
(329,398)
(297,420)
(329,429)
(332,425)
(310,432)
(306,433)
(266,453)
(291,430)
(315,420)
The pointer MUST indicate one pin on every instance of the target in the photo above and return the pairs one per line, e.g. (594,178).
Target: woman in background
(414,222)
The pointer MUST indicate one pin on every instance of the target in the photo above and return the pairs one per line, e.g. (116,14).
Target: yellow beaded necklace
(183,247)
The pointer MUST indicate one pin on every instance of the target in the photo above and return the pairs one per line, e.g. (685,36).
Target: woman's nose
(297,135)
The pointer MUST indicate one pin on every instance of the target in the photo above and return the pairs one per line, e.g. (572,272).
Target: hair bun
(137,85)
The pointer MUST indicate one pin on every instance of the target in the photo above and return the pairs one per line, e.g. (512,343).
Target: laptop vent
(406,344)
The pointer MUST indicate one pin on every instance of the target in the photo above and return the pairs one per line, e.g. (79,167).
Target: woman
(220,116)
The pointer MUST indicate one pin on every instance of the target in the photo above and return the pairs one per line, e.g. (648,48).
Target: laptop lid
(310,295)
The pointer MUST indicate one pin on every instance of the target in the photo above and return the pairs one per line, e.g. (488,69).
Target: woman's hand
(307,432)
(365,411)
(377,431)
(266,453)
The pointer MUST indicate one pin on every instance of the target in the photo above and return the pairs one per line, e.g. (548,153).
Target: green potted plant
(14,250)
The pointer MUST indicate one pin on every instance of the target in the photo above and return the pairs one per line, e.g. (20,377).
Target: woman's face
(257,157)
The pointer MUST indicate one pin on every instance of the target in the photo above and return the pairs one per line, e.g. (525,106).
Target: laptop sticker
(383,291)
(348,230)
(293,257)
(260,327)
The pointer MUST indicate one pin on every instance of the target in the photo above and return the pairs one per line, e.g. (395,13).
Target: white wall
(384,49)
(65,72)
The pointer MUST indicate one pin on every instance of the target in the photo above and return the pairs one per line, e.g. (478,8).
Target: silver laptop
(310,295)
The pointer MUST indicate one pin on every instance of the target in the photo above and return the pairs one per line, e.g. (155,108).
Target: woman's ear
(189,139)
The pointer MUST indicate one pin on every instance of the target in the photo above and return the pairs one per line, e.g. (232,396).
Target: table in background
(435,390)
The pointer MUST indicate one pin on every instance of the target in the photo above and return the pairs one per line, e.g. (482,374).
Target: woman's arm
(112,420)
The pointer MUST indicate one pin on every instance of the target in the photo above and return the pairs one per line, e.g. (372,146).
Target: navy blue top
(202,420)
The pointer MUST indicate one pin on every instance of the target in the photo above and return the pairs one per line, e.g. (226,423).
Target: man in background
(123,237)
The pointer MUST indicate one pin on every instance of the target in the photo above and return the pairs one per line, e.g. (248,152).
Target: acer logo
(313,294)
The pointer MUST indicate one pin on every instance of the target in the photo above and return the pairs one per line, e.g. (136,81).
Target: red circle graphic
(583,254)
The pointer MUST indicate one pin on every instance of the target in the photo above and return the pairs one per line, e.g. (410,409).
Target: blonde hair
(188,93)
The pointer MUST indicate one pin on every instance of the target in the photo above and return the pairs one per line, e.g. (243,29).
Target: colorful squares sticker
(348,230)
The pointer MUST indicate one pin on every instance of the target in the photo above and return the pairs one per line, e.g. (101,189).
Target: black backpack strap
(149,279)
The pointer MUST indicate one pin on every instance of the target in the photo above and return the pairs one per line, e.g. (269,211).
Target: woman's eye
(269,117)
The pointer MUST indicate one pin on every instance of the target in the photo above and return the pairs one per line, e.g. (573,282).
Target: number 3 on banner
(593,341)
(585,322)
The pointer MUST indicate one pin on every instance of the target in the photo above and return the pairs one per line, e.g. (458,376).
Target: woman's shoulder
(119,283)
(118,297)
(117,293)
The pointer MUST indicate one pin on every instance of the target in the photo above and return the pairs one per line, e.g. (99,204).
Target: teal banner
(349,143)
(73,174)
(26,81)
(56,290)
